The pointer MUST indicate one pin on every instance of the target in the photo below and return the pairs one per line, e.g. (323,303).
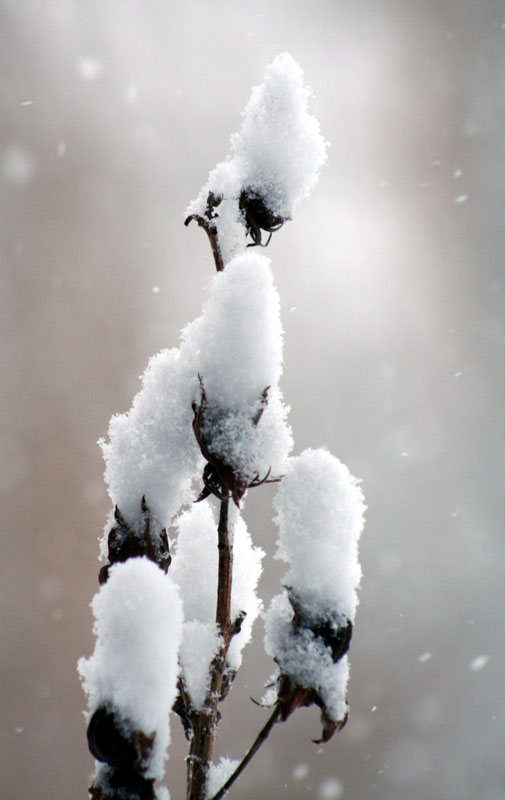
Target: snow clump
(134,668)
(276,156)
(195,565)
(320,512)
(236,347)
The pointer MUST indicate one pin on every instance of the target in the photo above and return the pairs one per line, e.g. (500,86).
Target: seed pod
(258,217)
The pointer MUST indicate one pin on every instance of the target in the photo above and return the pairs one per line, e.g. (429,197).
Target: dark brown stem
(261,737)
(204,723)
(225,547)
(210,230)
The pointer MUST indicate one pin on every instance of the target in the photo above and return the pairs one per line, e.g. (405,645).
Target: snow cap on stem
(236,347)
(151,451)
(320,512)
(309,626)
(132,674)
(280,143)
(274,163)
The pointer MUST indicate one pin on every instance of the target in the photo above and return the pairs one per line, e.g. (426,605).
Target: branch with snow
(274,163)
(131,678)
(211,411)
(309,625)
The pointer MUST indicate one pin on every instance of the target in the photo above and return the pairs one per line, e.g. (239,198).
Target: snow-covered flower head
(279,144)
(274,163)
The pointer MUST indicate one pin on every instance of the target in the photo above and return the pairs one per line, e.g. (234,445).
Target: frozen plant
(208,424)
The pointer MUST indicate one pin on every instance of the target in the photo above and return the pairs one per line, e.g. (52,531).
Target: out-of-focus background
(391,280)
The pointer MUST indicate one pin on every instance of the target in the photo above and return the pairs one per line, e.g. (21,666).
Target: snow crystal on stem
(133,670)
(275,158)
(218,774)
(195,565)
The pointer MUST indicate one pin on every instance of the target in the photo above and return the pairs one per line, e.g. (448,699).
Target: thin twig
(260,739)
(211,231)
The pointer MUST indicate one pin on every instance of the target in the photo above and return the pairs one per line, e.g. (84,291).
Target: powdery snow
(223,384)
(134,668)
(320,517)
(151,449)
(277,155)
(320,512)
(279,143)
(194,569)
(236,346)
(303,657)
(218,774)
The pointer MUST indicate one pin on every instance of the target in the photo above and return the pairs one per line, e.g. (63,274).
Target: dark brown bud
(258,216)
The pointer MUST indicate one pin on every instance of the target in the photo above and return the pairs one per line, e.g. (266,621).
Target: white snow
(236,346)
(194,569)
(90,68)
(200,643)
(425,657)
(277,154)
(320,517)
(134,668)
(218,774)
(223,381)
(305,658)
(238,338)
(330,789)
(479,662)
(279,143)
(320,512)
(300,771)
(151,449)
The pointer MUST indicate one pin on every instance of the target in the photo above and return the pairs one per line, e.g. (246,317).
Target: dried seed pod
(333,635)
(333,631)
(125,543)
(220,478)
(258,217)
(111,742)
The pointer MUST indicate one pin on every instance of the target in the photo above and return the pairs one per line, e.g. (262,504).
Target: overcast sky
(391,284)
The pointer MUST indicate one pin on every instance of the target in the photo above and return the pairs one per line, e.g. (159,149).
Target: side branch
(210,230)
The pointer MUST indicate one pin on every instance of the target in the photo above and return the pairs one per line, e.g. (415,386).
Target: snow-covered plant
(208,425)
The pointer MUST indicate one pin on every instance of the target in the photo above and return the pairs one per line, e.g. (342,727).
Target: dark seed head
(258,217)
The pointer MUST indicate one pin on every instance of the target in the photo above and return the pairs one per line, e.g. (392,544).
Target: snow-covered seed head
(275,161)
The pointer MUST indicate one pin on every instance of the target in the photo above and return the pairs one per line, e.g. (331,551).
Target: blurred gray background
(391,281)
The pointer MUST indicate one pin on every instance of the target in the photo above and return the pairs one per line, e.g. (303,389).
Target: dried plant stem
(260,739)
(204,723)
(211,231)
(225,547)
